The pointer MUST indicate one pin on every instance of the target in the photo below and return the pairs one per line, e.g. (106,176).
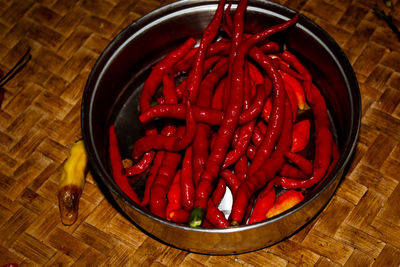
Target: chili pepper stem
(196,217)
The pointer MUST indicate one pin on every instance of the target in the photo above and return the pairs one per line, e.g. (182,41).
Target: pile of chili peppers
(228,112)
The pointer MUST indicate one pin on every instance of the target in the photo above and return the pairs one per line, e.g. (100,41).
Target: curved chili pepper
(116,166)
(215,216)
(256,106)
(209,62)
(290,94)
(281,65)
(335,159)
(219,48)
(291,171)
(301,135)
(246,132)
(169,143)
(270,47)
(277,113)
(296,87)
(153,81)
(296,64)
(187,185)
(241,168)
(323,144)
(158,159)
(219,192)
(264,202)
(231,180)
(196,73)
(304,164)
(259,133)
(140,166)
(267,172)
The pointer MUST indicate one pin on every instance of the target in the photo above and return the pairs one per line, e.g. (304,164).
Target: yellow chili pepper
(72,182)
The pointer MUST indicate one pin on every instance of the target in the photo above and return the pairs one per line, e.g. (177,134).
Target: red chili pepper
(237,36)
(266,112)
(219,48)
(208,64)
(200,145)
(323,144)
(296,87)
(267,172)
(291,171)
(255,74)
(178,216)
(241,168)
(246,132)
(169,91)
(247,88)
(140,166)
(281,65)
(196,73)
(205,115)
(228,18)
(335,159)
(217,99)
(296,64)
(219,192)
(215,216)
(162,182)
(291,95)
(201,140)
(121,180)
(187,184)
(153,81)
(277,113)
(256,106)
(231,180)
(284,202)
(251,152)
(258,133)
(174,195)
(169,143)
(301,135)
(264,202)
(158,159)
(304,164)
(165,175)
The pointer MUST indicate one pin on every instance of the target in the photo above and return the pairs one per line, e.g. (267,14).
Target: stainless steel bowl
(111,97)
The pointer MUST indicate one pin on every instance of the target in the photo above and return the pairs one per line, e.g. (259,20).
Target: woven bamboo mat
(40,120)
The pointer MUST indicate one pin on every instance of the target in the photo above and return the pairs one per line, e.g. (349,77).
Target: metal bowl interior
(111,97)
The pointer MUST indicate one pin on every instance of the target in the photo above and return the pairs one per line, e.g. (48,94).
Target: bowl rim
(107,54)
